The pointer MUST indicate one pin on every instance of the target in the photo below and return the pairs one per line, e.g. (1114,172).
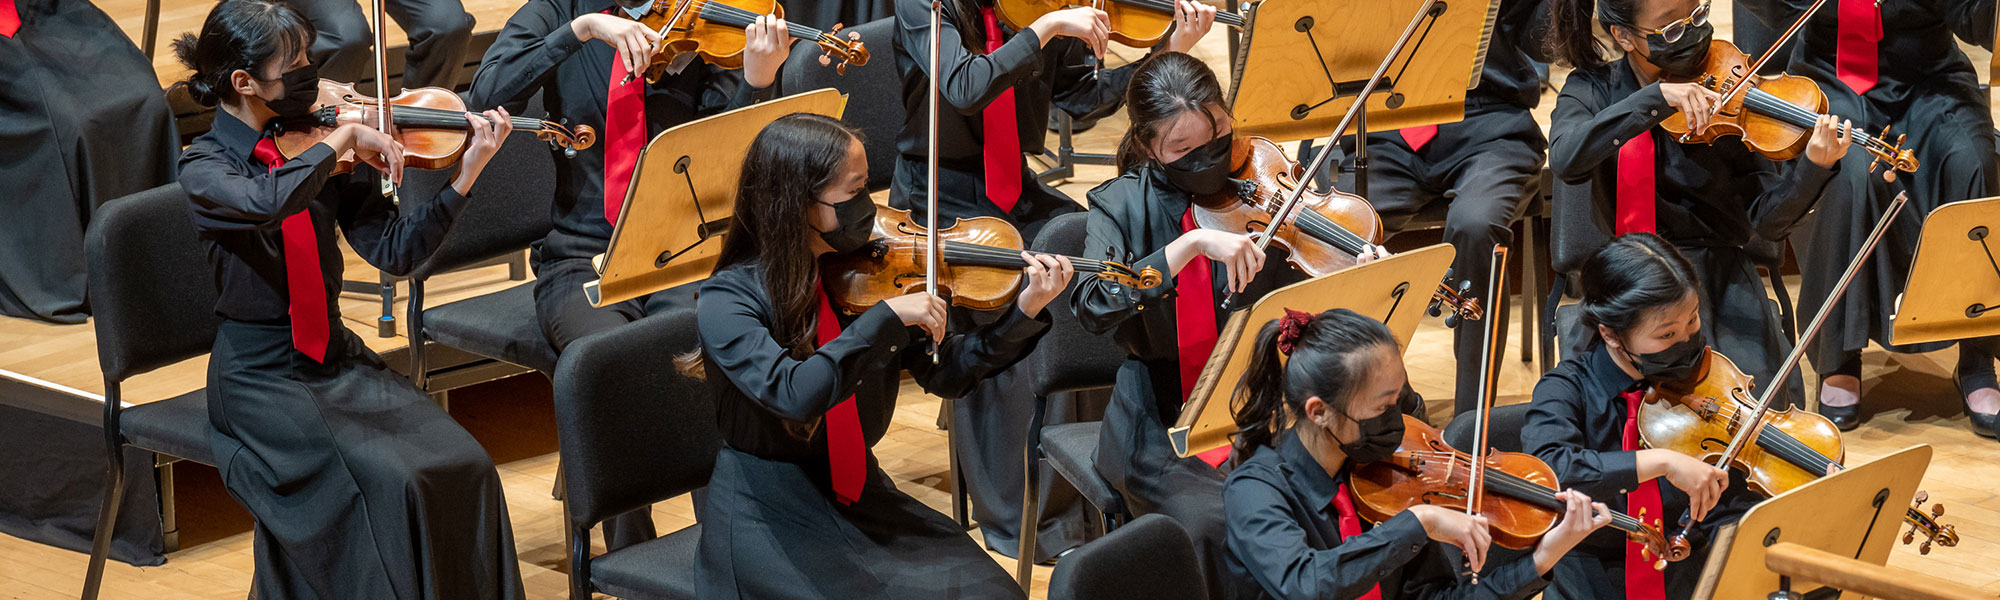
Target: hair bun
(200,91)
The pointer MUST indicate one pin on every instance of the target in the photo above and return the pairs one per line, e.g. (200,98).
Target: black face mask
(1380,436)
(1202,171)
(1675,364)
(857,225)
(301,91)
(1682,58)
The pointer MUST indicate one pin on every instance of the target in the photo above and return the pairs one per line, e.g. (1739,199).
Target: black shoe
(1845,417)
(1982,423)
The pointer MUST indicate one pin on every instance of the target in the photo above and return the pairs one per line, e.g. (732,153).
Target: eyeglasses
(1673,31)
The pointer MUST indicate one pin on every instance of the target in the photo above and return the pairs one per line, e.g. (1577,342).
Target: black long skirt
(361,487)
(772,530)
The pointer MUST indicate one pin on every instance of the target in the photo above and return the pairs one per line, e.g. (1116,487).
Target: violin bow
(1743,83)
(931,172)
(1489,380)
(383,119)
(1291,205)
(1747,429)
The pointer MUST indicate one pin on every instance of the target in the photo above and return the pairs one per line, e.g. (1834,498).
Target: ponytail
(1260,402)
(239,35)
(1298,357)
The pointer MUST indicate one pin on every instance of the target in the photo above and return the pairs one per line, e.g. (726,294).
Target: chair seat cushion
(1072,449)
(662,567)
(177,426)
(499,325)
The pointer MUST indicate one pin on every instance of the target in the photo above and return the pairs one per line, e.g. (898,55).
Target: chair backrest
(1503,429)
(874,92)
(1068,358)
(510,205)
(1576,227)
(152,295)
(632,430)
(1151,557)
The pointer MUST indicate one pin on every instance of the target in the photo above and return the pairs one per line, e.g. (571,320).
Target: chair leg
(1031,498)
(960,511)
(386,326)
(419,375)
(579,560)
(1531,278)
(557,492)
(169,524)
(1557,287)
(1786,316)
(517,267)
(114,491)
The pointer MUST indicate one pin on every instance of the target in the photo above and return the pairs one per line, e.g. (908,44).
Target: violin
(1135,23)
(713,29)
(1523,504)
(981,266)
(429,123)
(1774,115)
(1791,448)
(1330,231)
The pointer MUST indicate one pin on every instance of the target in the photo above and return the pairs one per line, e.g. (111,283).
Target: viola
(1774,115)
(429,123)
(1700,416)
(1329,231)
(713,30)
(1135,23)
(1521,507)
(980,267)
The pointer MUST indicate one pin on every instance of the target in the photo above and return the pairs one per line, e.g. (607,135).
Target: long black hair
(1634,274)
(1326,360)
(1163,88)
(1572,40)
(239,35)
(790,162)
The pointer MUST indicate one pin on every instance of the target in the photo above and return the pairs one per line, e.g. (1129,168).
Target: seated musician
(1641,302)
(545,48)
(1178,148)
(1320,397)
(798,507)
(1710,201)
(360,485)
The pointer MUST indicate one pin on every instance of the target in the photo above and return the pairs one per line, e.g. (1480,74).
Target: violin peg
(841,69)
(1937,510)
(1910,536)
(1451,321)
(1464,288)
(1922,497)
(824,61)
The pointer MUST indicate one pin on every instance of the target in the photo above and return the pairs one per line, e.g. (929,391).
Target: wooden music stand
(1855,513)
(654,246)
(1953,291)
(1395,290)
(1303,61)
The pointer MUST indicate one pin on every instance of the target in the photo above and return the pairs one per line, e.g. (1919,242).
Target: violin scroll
(1927,526)
(1458,301)
(850,51)
(1145,279)
(1894,155)
(1656,547)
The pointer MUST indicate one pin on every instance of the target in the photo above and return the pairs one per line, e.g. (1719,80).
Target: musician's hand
(1238,254)
(1468,532)
(1046,275)
(766,44)
(1830,139)
(1372,254)
(1702,482)
(1692,100)
(633,40)
(1083,23)
(1191,21)
(372,147)
(922,310)
(1580,517)
(489,130)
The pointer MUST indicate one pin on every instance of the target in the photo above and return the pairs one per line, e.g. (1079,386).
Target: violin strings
(1523,489)
(1776,441)
(715,11)
(1320,227)
(438,117)
(1007,256)
(1769,103)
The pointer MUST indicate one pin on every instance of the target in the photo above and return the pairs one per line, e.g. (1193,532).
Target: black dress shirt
(1284,533)
(1917,56)
(1718,195)
(770,404)
(238,206)
(537,52)
(1509,76)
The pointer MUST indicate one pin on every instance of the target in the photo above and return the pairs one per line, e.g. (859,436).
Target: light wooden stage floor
(1909,400)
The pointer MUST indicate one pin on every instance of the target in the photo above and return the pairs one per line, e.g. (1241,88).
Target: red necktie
(1002,151)
(303,281)
(1416,137)
(624,135)
(1855,46)
(1635,184)
(1350,526)
(1194,322)
(1642,581)
(846,453)
(10,18)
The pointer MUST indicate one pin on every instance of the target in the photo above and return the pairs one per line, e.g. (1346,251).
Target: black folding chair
(633,431)
(1150,558)
(153,303)
(1067,359)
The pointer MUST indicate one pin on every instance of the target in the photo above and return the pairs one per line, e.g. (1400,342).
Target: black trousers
(1484,168)
(439,31)
(566,317)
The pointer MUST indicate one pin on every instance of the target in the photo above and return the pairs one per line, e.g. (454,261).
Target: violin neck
(716,11)
(977,255)
(1518,488)
(1167,6)
(1795,115)
(437,118)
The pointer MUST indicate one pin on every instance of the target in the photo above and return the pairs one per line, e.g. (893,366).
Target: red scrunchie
(1290,328)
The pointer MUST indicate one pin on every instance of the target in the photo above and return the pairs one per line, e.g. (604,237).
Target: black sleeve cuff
(562,42)
(1017,327)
